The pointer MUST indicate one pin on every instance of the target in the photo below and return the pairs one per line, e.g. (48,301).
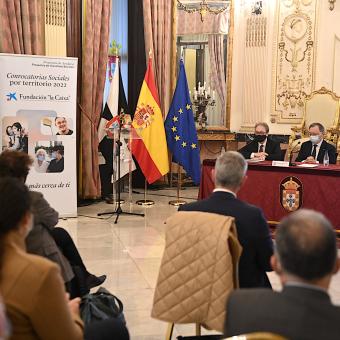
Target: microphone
(291,153)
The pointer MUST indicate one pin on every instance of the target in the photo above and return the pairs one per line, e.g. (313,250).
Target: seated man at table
(305,260)
(313,151)
(252,229)
(262,147)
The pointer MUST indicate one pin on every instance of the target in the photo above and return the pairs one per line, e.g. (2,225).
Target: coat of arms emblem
(291,193)
(144,116)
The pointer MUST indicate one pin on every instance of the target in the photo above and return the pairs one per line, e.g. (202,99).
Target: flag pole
(178,202)
(145,202)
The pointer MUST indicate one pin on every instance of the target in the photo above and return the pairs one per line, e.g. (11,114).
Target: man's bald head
(306,245)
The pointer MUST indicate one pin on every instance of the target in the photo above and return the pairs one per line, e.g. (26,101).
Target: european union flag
(180,129)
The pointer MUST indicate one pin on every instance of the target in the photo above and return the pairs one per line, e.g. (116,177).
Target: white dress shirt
(225,190)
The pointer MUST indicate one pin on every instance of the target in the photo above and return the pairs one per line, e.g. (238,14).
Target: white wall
(327,64)
(328,48)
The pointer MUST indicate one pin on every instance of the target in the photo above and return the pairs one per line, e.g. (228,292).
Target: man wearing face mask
(313,151)
(262,147)
(57,163)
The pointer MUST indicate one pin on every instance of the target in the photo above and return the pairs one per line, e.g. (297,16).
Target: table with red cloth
(320,188)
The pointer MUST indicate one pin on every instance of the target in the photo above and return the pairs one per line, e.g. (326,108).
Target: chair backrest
(283,154)
(198,269)
(258,336)
(321,106)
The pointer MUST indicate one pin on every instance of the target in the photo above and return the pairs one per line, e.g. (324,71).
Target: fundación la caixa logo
(11,96)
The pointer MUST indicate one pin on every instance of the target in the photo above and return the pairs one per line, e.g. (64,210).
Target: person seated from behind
(46,239)
(31,286)
(313,151)
(305,260)
(262,147)
(57,162)
(61,124)
(252,229)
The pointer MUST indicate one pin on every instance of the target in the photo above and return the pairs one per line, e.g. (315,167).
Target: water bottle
(326,159)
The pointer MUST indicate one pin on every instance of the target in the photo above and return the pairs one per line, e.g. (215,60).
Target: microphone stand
(119,211)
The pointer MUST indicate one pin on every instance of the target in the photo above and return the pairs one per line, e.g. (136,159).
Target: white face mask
(314,139)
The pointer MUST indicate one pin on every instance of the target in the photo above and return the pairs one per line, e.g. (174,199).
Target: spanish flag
(148,143)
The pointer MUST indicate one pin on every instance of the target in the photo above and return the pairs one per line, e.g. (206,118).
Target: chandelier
(202,7)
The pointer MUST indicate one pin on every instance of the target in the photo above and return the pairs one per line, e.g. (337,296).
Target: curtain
(157,35)
(191,23)
(74,45)
(217,75)
(22,26)
(94,61)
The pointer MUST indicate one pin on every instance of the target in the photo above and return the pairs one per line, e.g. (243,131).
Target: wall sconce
(331,4)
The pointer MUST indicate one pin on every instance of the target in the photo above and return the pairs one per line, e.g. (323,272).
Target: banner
(38,98)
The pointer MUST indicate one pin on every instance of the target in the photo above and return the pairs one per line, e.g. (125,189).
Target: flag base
(145,202)
(177,203)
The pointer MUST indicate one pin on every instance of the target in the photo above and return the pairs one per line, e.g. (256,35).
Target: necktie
(261,148)
(314,151)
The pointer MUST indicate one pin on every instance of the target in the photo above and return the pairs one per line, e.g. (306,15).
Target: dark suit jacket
(39,241)
(306,151)
(253,234)
(297,313)
(272,148)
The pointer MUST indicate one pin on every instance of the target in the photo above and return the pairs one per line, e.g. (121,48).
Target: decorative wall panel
(55,27)
(255,65)
(295,52)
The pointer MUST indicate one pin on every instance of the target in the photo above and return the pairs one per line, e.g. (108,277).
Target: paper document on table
(308,165)
(254,160)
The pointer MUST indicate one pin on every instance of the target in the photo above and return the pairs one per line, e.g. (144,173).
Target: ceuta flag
(116,102)
(149,142)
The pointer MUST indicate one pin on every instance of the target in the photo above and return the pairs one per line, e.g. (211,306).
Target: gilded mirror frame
(229,62)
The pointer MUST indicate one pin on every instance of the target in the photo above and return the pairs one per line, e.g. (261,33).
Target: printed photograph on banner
(49,157)
(14,134)
(57,126)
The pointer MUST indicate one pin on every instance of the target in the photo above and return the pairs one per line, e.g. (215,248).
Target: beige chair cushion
(198,269)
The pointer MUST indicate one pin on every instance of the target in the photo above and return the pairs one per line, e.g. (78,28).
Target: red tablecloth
(320,188)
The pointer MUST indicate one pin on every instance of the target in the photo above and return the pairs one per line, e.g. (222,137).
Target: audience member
(305,260)
(45,239)
(31,286)
(262,147)
(252,229)
(314,150)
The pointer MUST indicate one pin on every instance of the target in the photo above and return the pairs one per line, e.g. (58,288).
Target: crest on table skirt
(291,193)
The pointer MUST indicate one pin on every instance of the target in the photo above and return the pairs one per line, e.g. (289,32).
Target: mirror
(203,29)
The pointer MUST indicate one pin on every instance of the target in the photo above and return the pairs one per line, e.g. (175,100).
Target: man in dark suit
(262,147)
(252,229)
(305,260)
(314,149)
